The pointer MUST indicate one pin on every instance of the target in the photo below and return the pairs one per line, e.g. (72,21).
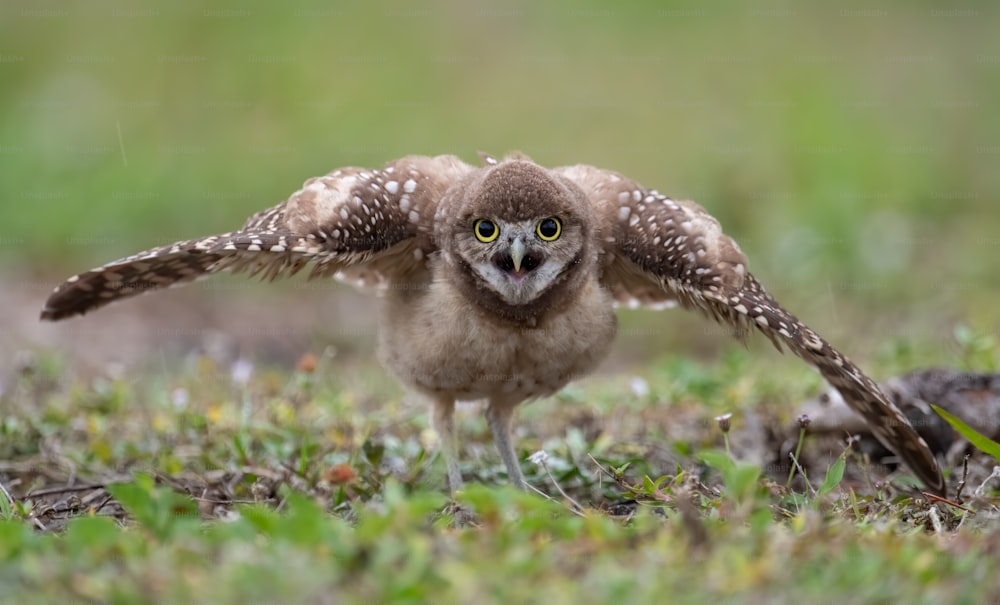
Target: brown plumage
(500,280)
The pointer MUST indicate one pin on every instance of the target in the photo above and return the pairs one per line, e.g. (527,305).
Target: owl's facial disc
(514,261)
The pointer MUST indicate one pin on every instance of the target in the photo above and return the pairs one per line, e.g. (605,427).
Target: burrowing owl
(500,281)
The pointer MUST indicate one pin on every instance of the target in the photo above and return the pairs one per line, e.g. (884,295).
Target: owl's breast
(438,343)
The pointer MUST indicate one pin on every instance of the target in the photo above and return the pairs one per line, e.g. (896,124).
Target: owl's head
(519,236)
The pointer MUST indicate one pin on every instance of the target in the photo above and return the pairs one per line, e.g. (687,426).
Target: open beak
(517,260)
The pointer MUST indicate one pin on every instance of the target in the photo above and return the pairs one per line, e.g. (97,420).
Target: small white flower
(179,397)
(241,371)
(640,388)
(724,422)
(540,457)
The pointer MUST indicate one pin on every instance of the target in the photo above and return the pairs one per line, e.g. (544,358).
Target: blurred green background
(853,151)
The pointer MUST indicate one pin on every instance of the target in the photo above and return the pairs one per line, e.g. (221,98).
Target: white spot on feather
(331,193)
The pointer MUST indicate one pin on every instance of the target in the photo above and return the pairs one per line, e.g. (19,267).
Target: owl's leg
(444,425)
(500,417)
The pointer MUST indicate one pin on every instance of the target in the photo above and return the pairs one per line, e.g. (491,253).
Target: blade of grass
(982,442)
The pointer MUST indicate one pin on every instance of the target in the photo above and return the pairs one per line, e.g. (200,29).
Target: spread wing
(660,250)
(372,226)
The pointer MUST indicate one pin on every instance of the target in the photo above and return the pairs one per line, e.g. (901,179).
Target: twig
(51,491)
(996,473)
(226,501)
(936,498)
(619,481)
(103,503)
(540,457)
(965,477)
(803,471)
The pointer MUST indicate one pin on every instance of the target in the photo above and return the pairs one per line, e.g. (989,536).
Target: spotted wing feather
(374,225)
(677,248)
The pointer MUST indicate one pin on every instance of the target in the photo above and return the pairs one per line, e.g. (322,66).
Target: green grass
(277,486)
(526,550)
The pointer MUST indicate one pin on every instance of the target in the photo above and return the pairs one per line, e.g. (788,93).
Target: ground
(303,473)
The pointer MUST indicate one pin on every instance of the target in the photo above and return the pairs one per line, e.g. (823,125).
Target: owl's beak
(517,252)
(517,261)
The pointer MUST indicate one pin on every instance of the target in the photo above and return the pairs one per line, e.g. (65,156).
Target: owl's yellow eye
(549,229)
(485,230)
